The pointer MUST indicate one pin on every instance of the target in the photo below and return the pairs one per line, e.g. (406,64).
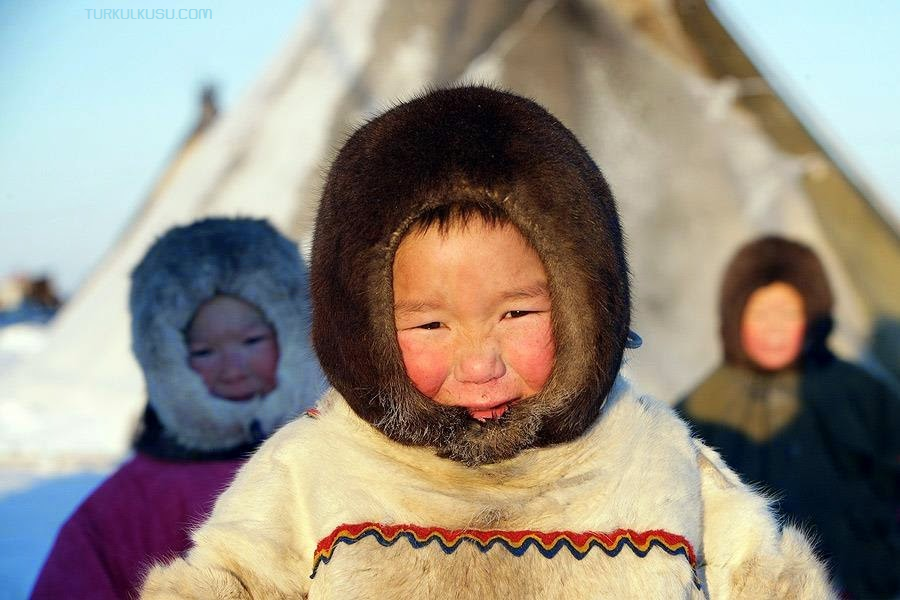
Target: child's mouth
(484,414)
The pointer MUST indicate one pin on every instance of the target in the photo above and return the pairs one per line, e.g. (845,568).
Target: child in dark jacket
(220,327)
(820,434)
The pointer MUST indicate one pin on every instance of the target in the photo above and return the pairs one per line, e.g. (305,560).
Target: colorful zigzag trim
(548,543)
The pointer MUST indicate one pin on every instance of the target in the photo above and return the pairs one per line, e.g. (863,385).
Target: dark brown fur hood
(462,145)
(765,261)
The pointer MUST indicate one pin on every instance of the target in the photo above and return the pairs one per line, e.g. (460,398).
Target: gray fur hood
(241,257)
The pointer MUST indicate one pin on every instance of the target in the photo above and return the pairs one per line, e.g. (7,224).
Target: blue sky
(836,61)
(91,109)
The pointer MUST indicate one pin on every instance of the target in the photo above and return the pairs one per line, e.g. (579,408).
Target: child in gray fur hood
(220,327)
(471,308)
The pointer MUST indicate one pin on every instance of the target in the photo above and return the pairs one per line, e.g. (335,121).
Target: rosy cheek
(427,364)
(795,340)
(532,354)
(773,350)
(205,367)
(266,365)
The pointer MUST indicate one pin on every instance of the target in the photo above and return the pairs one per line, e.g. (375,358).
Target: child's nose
(479,362)
(774,327)
(232,363)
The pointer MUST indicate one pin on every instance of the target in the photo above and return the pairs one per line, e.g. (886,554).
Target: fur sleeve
(746,554)
(251,546)
(180,581)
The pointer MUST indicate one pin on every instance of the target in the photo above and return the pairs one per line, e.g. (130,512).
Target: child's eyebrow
(532,291)
(414,307)
(536,290)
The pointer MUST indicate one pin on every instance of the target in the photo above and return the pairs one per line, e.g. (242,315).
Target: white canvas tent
(700,152)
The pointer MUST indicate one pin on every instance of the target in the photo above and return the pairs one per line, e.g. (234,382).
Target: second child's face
(233,348)
(773,326)
(472,311)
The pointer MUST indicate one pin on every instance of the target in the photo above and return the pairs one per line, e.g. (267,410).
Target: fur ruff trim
(468,145)
(245,258)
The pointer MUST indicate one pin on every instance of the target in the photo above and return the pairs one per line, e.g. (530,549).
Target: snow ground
(35,498)
(32,508)
(34,502)
(19,342)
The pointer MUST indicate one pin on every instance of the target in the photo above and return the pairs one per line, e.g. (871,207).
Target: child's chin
(458,435)
(488,442)
(484,441)
(238,397)
(243,394)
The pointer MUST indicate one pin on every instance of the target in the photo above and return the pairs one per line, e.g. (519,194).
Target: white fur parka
(635,508)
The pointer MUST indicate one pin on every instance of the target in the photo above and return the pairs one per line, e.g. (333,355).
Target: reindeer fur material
(636,468)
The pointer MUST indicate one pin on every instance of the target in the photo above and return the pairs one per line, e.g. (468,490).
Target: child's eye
(432,325)
(515,314)
(200,352)
(254,339)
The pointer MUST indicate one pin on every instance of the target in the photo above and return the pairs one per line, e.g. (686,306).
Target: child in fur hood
(471,308)
(819,433)
(220,327)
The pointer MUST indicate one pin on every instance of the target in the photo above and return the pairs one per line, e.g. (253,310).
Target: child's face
(233,349)
(773,325)
(472,310)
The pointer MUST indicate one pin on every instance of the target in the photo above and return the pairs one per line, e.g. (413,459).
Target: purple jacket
(142,514)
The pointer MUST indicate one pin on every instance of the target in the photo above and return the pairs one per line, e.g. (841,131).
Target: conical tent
(700,152)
